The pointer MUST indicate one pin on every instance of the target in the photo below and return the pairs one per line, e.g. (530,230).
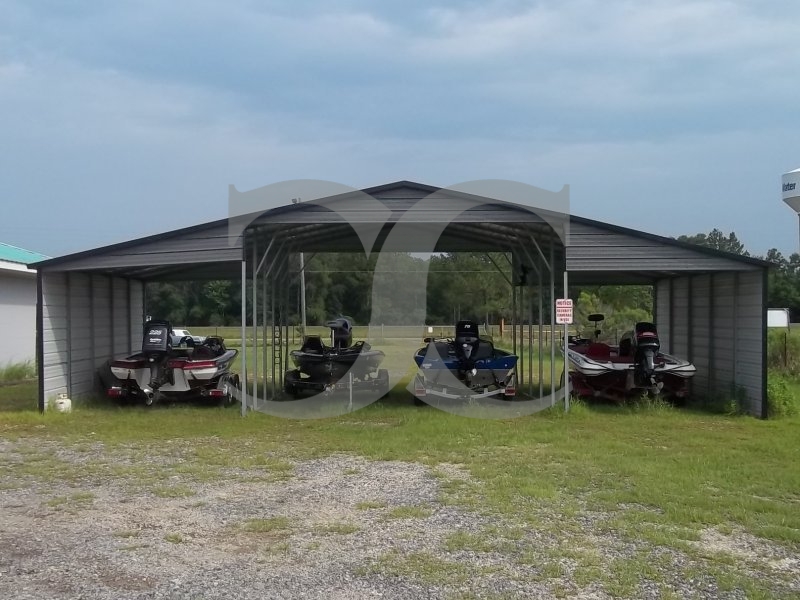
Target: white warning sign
(564,311)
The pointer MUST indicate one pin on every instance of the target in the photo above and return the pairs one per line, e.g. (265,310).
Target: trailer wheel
(289,383)
(383,378)
(228,398)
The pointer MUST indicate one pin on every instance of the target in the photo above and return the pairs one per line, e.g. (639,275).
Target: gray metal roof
(596,252)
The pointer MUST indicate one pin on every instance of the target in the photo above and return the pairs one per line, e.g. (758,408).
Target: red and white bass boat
(634,367)
(162,371)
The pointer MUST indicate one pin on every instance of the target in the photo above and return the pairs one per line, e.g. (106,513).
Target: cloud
(149,110)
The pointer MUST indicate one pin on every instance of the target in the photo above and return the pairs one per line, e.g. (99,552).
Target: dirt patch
(339,527)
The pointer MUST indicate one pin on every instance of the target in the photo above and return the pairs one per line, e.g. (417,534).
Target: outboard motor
(156,346)
(646,346)
(341,332)
(467,340)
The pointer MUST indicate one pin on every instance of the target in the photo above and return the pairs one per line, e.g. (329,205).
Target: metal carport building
(710,306)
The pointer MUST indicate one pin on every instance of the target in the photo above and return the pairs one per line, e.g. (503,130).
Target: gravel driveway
(338,527)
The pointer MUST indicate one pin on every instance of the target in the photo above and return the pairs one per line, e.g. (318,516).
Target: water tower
(791,189)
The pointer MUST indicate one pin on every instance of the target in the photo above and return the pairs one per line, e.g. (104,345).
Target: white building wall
(17,316)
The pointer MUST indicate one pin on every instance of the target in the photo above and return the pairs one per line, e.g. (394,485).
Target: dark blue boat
(467,365)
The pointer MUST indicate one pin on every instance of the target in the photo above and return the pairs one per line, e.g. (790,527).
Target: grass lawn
(399,362)
(660,477)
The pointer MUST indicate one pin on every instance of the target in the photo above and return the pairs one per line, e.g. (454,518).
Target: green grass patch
(409,512)
(267,525)
(19,397)
(173,491)
(371,504)
(126,534)
(337,528)
(18,371)
(173,538)
(421,566)
(133,547)
(77,500)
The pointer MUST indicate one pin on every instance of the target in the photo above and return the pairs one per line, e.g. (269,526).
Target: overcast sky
(129,118)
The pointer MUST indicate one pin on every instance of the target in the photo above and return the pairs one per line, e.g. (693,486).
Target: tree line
(456,286)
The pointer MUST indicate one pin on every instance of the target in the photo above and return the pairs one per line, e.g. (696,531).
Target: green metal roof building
(18,303)
(12,254)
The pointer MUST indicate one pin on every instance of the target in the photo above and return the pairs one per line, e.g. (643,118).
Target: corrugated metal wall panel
(57,311)
(724,338)
(101,316)
(80,331)
(176,257)
(54,367)
(663,311)
(680,317)
(595,249)
(700,333)
(120,320)
(136,316)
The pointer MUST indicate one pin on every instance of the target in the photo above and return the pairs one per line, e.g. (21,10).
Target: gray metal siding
(700,333)
(82,314)
(80,338)
(717,324)
(55,355)
(749,332)
(136,316)
(663,312)
(120,323)
(723,363)
(213,245)
(595,249)
(680,317)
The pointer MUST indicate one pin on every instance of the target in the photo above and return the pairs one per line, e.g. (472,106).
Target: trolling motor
(595,319)
(341,332)
(156,346)
(646,346)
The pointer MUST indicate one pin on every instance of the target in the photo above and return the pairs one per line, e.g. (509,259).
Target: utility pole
(302,287)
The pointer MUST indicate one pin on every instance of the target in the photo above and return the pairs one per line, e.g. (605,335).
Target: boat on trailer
(162,371)
(466,366)
(634,366)
(324,368)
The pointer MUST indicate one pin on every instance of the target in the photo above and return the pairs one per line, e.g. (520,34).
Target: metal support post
(255,327)
(566,360)
(530,339)
(302,295)
(513,309)
(243,390)
(521,360)
(552,325)
(541,335)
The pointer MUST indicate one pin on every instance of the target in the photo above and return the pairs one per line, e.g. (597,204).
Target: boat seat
(313,344)
(203,352)
(483,351)
(599,350)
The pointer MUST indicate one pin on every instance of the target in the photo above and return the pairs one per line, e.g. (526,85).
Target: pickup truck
(180,334)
